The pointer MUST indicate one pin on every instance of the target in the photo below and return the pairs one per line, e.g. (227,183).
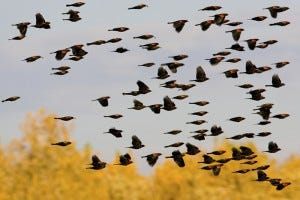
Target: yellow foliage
(31,168)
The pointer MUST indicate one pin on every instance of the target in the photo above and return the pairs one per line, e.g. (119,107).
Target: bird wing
(142,86)
(178,25)
(39,19)
(136,142)
(200,74)
(137,103)
(95,159)
(276,80)
(161,72)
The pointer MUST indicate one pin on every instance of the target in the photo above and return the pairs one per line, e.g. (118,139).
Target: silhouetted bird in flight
(152,158)
(136,143)
(22,27)
(236,47)
(119,29)
(73,15)
(173,132)
(114,40)
(205,24)
(168,104)
(63,143)
(200,75)
(272,147)
(210,8)
(281,23)
(234,23)
(215,60)
(245,86)
(207,159)
(65,118)
(142,89)
(115,132)
(276,82)
(78,51)
(179,57)
(276,9)
(97,164)
(103,101)
(114,116)
(251,43)
(199,113)
(281,64)
(62,68)
(173,66)
(125,160)
(150,64)
(77,4)
(258,18)
(237,119)
(144,37)
(177,144)
(178,158)
(13,98)
(281,116)
(191,149)
(32,58)
(231,73)
(137,7)
(137,105)
(218,152)
(261,176)
(60,54)
(40,22)
(178,25)
(236,33)
(162,73)
(219,18)
(121,50)
(181,97)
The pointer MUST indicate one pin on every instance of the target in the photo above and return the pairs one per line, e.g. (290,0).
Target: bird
(65,118)
(136,143)
(259,18)
(73,15)
(272,147)
(60,54)
(281,116)
(263,134)
(222,53)
(224,160)
(77,4)
(97,164)
(103,100)
(173,132)
(186,87)
(197,122)
(236,33)
(155,108)
(210,8)
(40,22)
(237,119)
(179,57)
(200,103)
(200,75)
(173,66)
(263,167)
(199,113)
(263,69)
(242,171)
(137,7)
(63,143)
(192,149)
(269,42)
(32,58)
(125,160)
(215,60)
(261,176)
(177,144)
(249,135)
(22,27)
(216,130)
(169,105)
(245,86)
(169,84)
(60,72)
(152,158)
(282,185)
(119,29)
(234,23)
(218,152)
(114,40)
(281,23)
(251,43)
(13,98)
(62,68)
(178,25)
(276,9)
(142,89)
(144,37)
(97,42)
(162,73)
(246,151)
(115,132)
(236,137)
(114,116)
(121,50)
(199,136)
(75,58)
(276,82)
(236,154)
(250,162)
(281,64)
(137,105)
(78,51)
(236,47)
(231,73)
(205,24)
(147,64)
(181,97)
(148,45)
(233,60)
(178,158)
(219,18)
(207,159)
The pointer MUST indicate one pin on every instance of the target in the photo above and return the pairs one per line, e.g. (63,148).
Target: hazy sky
(103,73)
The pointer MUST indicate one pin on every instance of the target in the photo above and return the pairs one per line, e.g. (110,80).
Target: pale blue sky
(104,73)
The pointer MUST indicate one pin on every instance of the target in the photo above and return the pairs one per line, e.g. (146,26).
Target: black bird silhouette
(62,68)
(281,23)
(236,33)
(65,118)
(258,18)
(192,149)
(215,130)
(78,51)
(137,7)
(22,27)
(62,143)
(13,98)
(276,82)
(97,164)
(205,24)
(219,18)
(178,158)
(162,73)
(261,176)
(152,158)
(263,134)
(60,54)
(251,43)
(125,160)
(144,37)
(207,159)
(103,101)
(136,143)
(179,57)
(218,152)
(236,47)
(119,29)
(200,75)
(155,108)
(114,40)
(115,132)
(40,22)
(168,104)
(137,105)
(73,15)
(147,64)
(121,50)
(173,132)
(211,8)
(32,58)
(281,64)
(199,136)
(77,4)
(173,66)
(276,9)
(142,89)
(97,42)
(272,147)
(234,23)
(177,144)
(178,25)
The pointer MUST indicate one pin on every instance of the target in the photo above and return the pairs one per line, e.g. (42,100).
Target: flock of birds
(243,154)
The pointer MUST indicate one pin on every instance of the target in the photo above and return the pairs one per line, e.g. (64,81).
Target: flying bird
(103,100)
(13,98)
(136,143)
(178,25)
(40,22)
(63,143)
(152,158)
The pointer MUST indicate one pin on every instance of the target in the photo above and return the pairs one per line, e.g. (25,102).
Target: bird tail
(88,44)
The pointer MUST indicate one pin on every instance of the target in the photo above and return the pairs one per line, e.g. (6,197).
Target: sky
(104,73)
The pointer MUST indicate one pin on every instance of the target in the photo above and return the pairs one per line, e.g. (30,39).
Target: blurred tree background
(31,168)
